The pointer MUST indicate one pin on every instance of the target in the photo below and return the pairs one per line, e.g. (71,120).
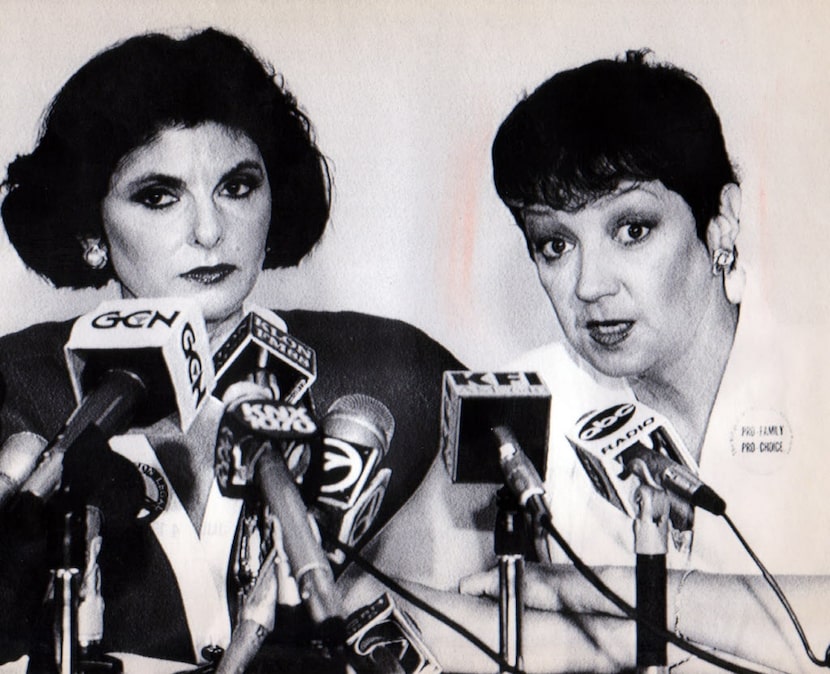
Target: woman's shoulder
(358,333)
(41,340)
(363,324)
(35,390)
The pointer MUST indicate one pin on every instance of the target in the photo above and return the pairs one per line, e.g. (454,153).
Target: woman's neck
(219,330)
(684,388)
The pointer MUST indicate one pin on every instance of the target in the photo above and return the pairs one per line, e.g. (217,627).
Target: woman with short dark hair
(618,175)
(183,168)
(122,99)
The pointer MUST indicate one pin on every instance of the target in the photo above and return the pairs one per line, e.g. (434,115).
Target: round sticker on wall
(761,440)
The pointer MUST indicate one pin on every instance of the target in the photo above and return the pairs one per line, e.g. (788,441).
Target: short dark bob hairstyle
(585,130)
(123,98)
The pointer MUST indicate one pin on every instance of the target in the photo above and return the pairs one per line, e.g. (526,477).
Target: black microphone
(632,439)
(356,432)
(118,353)
(246,456)
(486,417)
(108,410)
(261,352)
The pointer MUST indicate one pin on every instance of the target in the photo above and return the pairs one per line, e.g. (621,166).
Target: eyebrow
(153,179)
(243,166)
(165,180)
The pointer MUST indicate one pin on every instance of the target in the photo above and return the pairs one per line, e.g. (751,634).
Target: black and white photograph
(396,337)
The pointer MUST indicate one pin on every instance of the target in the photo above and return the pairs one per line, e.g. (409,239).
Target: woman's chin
(220,316)
(219,307)
(617,363)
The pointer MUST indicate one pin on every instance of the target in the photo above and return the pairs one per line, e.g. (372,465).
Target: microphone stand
(66,594)
(509,543)
(651,545)
(73,544)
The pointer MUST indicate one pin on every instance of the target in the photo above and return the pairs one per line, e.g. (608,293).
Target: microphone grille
(240,391)
(354,416)
(20,455)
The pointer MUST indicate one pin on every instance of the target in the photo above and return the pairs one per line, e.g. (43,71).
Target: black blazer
(386,359)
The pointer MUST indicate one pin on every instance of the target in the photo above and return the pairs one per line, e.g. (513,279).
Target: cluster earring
(722,261)
(95,253)
(725,262)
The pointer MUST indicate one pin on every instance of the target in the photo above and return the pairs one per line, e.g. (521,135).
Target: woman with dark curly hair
(183,168)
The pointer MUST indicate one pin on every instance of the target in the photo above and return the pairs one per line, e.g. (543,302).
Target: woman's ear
(723,229)
(721,235)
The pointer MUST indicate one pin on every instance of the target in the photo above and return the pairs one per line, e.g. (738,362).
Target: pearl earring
(95,253)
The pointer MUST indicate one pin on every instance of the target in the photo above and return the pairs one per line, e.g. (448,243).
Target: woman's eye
(633,232)
(553,249)
(238,188)
(155,197)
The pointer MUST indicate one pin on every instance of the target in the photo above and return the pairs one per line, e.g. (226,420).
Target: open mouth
(609,333)
(209,275)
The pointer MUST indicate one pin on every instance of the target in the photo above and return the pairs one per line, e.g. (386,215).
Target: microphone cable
(779,593)
(629,611)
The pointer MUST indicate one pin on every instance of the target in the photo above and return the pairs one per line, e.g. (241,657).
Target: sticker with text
(762,438)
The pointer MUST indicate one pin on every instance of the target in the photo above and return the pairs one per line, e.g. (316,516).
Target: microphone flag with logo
(163,340)
(259,351)
(627,444)
(474,403)
(129,361)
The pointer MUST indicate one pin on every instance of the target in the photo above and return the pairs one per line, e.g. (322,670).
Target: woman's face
(628,277)
(187,215)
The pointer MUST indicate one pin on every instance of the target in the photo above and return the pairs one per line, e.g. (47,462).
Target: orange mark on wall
(464,185)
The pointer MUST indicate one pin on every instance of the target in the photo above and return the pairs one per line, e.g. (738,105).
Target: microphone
(162,340)
(18,458)
(473,404)
(246,457)
(261,352)
(486,417)
(520,474)
(630,438)
(115,355)
(357,431)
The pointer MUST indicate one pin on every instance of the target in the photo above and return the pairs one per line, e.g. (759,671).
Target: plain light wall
(406,98)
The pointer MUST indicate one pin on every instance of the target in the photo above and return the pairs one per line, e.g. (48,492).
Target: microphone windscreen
(19,456)
(360,419)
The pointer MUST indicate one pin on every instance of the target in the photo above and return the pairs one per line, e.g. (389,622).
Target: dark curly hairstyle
(585,130)
(120,100)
